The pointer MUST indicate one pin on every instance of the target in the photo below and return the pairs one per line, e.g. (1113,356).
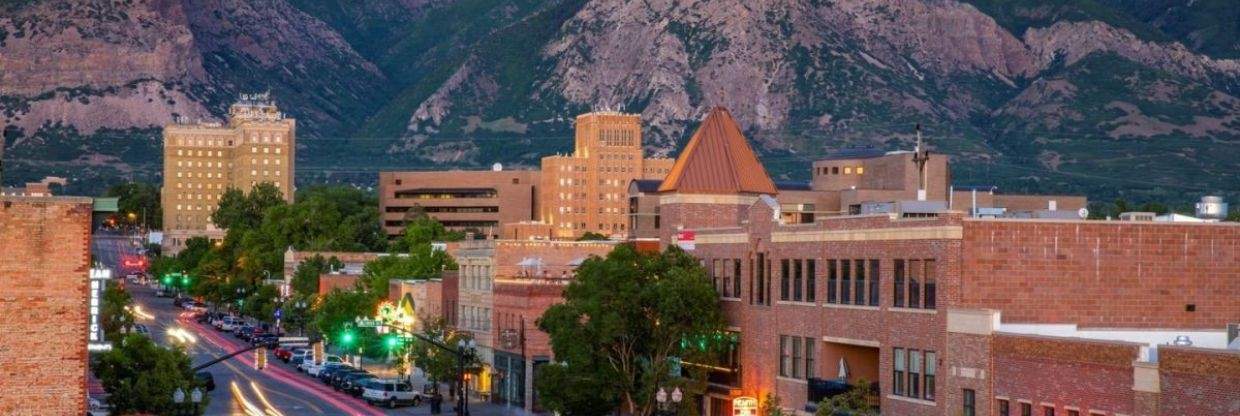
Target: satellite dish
(497,167)
(1083,212)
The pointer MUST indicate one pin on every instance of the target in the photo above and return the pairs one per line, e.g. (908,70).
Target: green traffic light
(185,280)
(391,342)
(346,338)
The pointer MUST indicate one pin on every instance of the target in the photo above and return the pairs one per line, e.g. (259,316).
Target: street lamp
(465,349)
(666,406)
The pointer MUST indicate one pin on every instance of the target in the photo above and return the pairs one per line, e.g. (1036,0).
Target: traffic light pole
(462,408)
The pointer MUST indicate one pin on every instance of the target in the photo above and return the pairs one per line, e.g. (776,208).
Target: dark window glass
(914,373)
(784,271)
(832,270)
(914,285)
(796,356)
(1073,412)
(845,281)
(970,402)
(753,286)
(1048,411)
(898,277)
(809,357)
(714,277)
(736,278)
(874,282)
(898,371)
(1026,409)
(811,280)
(930,288)
(1004,409)
(860,292)
(932,365)
(798,289)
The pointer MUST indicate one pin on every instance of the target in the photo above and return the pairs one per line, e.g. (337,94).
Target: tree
(420,230)
(592,236)
(622,320)
(439,365)
(306,277)
(138,203)
(261,303)
(240,210)
(141,376)
(338,309)
(858,401)
(114,313)
(771,406)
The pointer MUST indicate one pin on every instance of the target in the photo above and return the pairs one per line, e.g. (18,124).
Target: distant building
(587,191)
(202,160)
(45,285)
(475,201)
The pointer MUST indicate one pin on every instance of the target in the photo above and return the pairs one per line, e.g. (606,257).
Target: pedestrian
(436,403)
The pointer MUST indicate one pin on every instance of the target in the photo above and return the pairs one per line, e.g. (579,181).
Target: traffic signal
(347,337)
(167,279)
(391,342)
(185,280)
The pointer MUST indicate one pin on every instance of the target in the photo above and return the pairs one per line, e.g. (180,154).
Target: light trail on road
(347,404)
(249,408)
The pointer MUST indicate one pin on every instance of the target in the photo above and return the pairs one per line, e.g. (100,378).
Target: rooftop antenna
(920,156)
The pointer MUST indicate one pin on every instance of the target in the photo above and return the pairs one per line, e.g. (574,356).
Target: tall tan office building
(588,190)
(202,160)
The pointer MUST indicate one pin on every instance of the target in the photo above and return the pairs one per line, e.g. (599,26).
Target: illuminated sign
(98,278)
(744,406)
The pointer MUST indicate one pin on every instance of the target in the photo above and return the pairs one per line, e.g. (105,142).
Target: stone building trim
(679,198)
(735,238)
(852,341)
(1145,377)
(972,321)
(947,232)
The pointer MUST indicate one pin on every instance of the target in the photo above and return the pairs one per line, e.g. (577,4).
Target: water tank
(1212,208)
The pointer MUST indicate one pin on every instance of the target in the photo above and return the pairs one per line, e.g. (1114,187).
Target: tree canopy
(622,322)
(141,376)
(139,199)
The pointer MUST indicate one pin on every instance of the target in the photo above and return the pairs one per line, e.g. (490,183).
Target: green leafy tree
(858,401)
(439,365)
(771,406)
(622,320)
(420,230)
(261,303)
(141,376)
(306,277)
(239,209)
(114,313)
(338,309)
(592,236)
(138,203)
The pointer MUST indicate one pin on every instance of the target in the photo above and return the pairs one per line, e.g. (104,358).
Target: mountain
(1111,98)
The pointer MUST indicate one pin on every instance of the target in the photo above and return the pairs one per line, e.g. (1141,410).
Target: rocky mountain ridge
(1050,97)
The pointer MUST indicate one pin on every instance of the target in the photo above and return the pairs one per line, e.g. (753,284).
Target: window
(929,282)
(860,292)
(809,357)
(898,373)
(845,281)
(847,170)
(914,287)
(1048,411)
(898,298)
(1004,409)
(736,278)
(914,373)
(1026,409)
(931,369)
(831,270)
(970,402)
(1072,412)
(798,288)
(784,357)
(874,281)
(860,170)
(810,280)
(835,170)
(784,270)
(796,358)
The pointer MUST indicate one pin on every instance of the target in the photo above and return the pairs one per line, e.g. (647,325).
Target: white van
(391,393)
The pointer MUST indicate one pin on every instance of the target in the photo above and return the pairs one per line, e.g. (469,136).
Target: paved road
(276,390)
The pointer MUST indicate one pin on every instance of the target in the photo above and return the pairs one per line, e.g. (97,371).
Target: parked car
(354,383)
(142,329)
(391,393)
(298,357)
(267,340)
(228,324)
(326,374)
(312,368)
(243,331)
(283,353)
(205,379)
(336,380)
(204,318)
(196,306)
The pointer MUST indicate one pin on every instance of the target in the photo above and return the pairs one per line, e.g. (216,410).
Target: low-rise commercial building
(473,201)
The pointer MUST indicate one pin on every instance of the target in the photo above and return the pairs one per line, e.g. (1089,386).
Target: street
(241,389)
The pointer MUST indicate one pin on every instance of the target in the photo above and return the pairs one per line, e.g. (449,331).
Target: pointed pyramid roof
(718,160)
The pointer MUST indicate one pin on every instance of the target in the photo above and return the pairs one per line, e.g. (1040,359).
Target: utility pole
(920,157)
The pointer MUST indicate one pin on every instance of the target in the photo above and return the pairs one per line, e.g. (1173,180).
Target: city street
(276,390)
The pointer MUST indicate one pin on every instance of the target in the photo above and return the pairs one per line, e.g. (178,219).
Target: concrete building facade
(256,145)
(477,201)
(44,284)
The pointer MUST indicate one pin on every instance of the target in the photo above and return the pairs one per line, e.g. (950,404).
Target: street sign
(367,322)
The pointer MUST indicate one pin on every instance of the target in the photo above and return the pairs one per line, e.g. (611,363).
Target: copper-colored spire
(718,160)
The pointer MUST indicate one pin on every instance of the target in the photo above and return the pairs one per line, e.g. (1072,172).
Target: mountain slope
(1057,96)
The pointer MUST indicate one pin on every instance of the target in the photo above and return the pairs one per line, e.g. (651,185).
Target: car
(354,383)
(229,324)
(141,329)
(196,306)
(203,318)
(243,331)
(326,374)
(206,380)
(330,361)
(391,393)
(285,352)
(266,340)
(336,380)
(299,355)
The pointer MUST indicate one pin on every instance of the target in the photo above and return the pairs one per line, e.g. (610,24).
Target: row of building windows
(726,274)
(796,357)
(198,185)
(913,373)
(1026,409)
(476,318)
(476,277)
(835,170)
(920,275)
(849,281)
(796,280)
(209,197)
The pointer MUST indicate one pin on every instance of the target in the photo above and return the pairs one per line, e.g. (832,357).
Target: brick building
(947,312)
(202,160)
(478,201)
(587,191)
(44,280)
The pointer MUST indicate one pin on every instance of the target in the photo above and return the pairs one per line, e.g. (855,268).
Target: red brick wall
(1103,273)
(343,282)
(521,302)
(1065,372)
(44,275)
(1201,382)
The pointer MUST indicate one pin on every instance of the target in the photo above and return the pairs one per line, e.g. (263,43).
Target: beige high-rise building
(202,160)
(588,190)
